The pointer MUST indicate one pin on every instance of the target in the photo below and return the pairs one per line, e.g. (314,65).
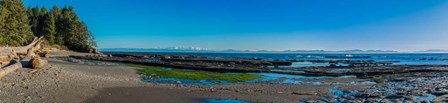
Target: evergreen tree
(75,31)
(3,13)
(55,10)
(62,27)
(91,40)
(59,36)
(41,19)
(49,28)
(33,17)
(58,26)
(15,29)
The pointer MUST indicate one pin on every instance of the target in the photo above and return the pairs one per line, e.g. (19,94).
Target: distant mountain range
(434,51)
(198,49)
(349,51)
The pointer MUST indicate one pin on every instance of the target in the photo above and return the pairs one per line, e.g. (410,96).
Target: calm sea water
(399,58)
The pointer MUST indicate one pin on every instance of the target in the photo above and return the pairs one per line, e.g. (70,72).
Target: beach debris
(10,56)
(12,66)
(46,54)
(36,62)
(34,46)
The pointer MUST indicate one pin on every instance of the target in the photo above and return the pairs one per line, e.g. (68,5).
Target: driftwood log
(14,65)
(9,53)
(10,59)
(34,45)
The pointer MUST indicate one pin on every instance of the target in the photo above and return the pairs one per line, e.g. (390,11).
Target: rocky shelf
(256,65)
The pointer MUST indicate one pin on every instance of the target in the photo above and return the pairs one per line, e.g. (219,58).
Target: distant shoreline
(255,52)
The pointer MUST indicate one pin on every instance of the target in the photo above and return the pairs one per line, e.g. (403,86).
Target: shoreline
(83,82)
(62,81)
(69,82)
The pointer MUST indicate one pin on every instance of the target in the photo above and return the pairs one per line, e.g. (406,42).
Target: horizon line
(291,50)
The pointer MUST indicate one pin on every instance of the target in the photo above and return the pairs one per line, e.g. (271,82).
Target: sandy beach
(68,82)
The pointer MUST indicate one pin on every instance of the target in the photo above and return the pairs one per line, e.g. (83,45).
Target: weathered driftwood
(36,62)
(34,45)
(12,66)
(5,59)
(9,53)
(9,56)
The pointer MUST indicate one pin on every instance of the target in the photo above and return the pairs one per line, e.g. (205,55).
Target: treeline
(59,26)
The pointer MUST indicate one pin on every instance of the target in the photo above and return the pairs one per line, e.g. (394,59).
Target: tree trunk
(14,65)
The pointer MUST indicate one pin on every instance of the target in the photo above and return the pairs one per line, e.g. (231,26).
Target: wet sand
(66,82)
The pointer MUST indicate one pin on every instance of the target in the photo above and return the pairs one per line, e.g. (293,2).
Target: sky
(402,25)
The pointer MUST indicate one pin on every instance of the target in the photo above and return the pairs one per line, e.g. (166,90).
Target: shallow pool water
(428,97)
(290,81)
(312,64)
(286,71)
(339,71)
(274,76)
(298,79)
(185,82)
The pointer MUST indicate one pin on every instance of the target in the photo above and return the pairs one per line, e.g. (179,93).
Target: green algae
(194,74)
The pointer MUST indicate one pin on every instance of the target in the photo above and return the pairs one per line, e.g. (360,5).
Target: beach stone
(320,101)
(425,101)
(394,96)
(384,101)
(408,101)
(400,93)
(348,101)
(36,62)
(409,97)
(311,101)
(350,97)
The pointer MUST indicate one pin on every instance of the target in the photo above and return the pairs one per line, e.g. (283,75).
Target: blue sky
(403,25)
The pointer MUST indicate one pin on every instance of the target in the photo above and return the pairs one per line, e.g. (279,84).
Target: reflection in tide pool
(211,100)
(275,76)
(428,97)
(311,64)
(339,71)
(290,81)
(288,71)
(298,79)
